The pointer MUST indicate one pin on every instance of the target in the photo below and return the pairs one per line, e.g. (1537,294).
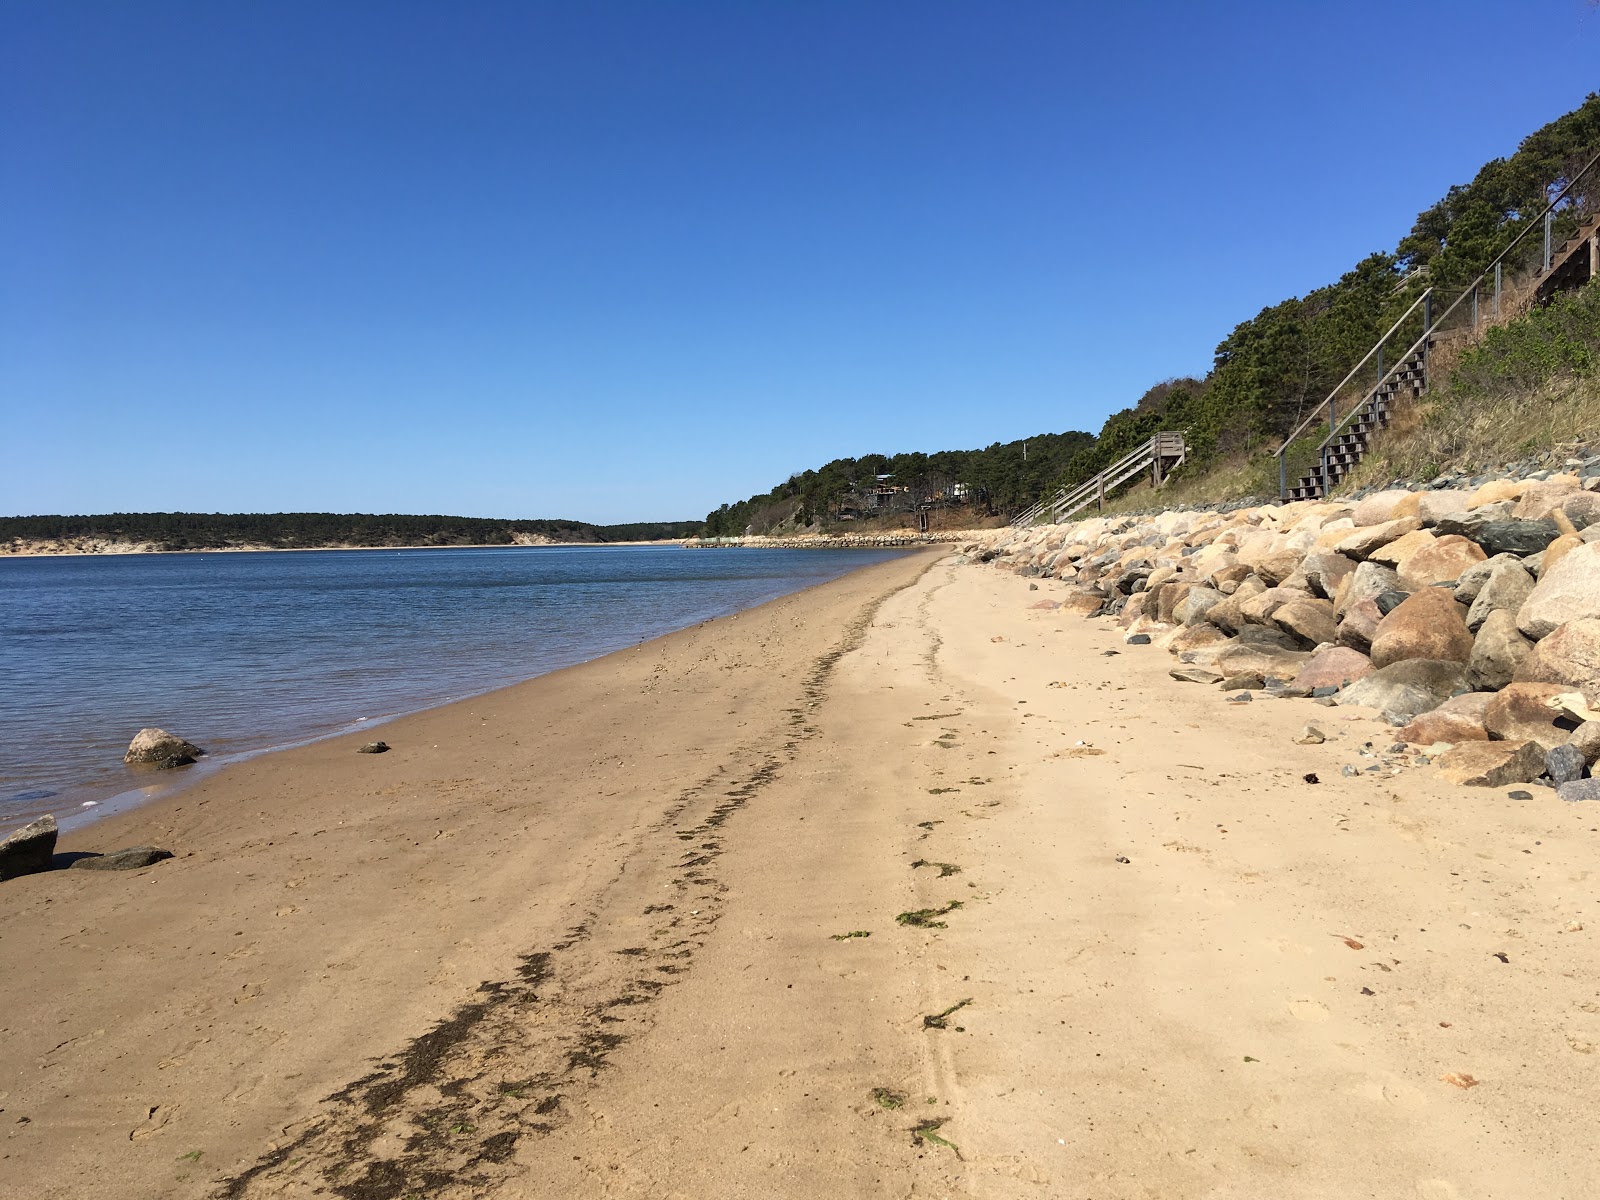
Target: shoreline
(132,552)
(418,835)
(145,786)
(754,908)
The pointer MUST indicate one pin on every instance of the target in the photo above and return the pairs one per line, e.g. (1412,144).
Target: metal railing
(1152,454)
(1466,314)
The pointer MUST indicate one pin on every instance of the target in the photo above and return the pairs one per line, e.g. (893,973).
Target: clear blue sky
(622,261)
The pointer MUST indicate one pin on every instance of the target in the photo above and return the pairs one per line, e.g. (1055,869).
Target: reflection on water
(239,652)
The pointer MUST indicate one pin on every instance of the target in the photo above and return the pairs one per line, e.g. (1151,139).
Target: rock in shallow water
(157,747)
(29,849)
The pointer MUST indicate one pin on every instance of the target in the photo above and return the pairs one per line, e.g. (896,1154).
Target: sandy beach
(630,929)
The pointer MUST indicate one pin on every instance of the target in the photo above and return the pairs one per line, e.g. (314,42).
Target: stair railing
(1068,501)
(1429,326)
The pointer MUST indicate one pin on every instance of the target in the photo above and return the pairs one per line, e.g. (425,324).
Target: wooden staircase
(1352,438)
(1573,263)
(1161,455)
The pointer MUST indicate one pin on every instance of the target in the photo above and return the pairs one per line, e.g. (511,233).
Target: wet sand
(586,936)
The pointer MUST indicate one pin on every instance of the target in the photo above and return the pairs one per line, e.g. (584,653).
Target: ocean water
(245,652)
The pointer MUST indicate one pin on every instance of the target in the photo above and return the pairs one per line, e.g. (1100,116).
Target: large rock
(1309,622)
(161,748)
(1586,738)
(1433,507)
(1378,507)
(1564,763)
(1325,572)
(1437,726)
(1568,590)
(1402,549)
(130,859)
(1260,660)
(1492,764)
(1336,666)
(1195,604)
(1367,582)
(1504,536)
(1360,625)
(1475,576)
(1497,651)
(1425,625)
(28,850)
(1258,610)
(1569,655)
(1540,497)
(1361,543)
(1519,713)
(1404,689)
(1507,587)
(1441,561)
(1582,509)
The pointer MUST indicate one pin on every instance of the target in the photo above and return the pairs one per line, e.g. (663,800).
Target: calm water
(241,652)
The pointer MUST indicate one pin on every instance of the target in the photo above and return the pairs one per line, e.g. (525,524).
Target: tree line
(303,531)
(1270,371)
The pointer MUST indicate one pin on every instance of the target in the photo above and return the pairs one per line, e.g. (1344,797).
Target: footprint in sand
(1308,1010)
(1436,1189)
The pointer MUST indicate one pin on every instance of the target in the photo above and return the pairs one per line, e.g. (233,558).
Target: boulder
(1195,604)
(28,850)
(1378,507)
(1586,739)
(1261,660)
(1568,590)
(1404,689)
(1402,549)
(160,748)
(1582,509)
(1336,666)
(1278,566)
(1442,561)
(1194,675)
(1495,491)
(1492,764)
(1519,713)
(1579,789)
(1426,625)
(1568,655)
(1503,536)
(1438,726)
(1359,626)
(1325,572)
(1309,622)
(1258,610)
(1266,636)
(1497,651)
(1564,764)
(1475,576)
(1555,552)
(1083,603)
(1508,585)
(1192,637)
(1364,541)
(1540,497)
(1434,506)
(1367,582)
(121,860)
(1227,579)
